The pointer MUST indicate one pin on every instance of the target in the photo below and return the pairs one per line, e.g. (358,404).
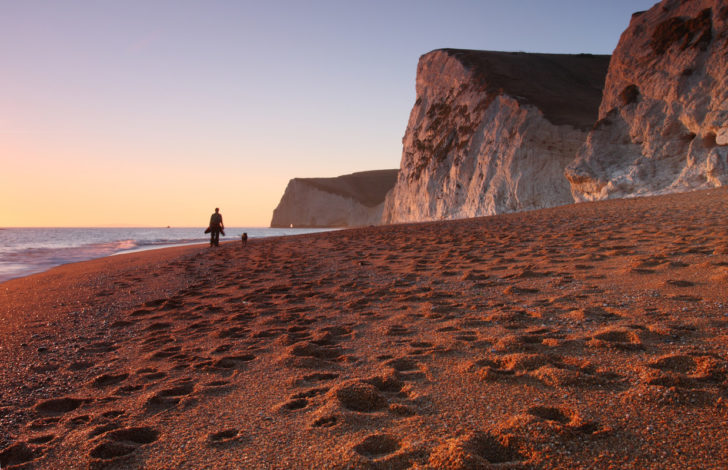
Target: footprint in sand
(76,421)
(158,326)
(142,312)
(128,389)
(122,442)
(551,370)
(294,404)
(223,438)
(155,304)
(309,355)
(593,313)
(111,414)
(519,343)
(708,368)
(325,422)
(106,380)
(59,406)
(540,422)
(310,393)
(43,423)
(315,377)
(121,324)
(402,364)
(550,413)
(357,395)
(149,374)
(233,332)
(216,387)
(467,336)
(200,327)
(165,353)
(405,368)
(297,329)
(229,363)
(377,445)
(80,365)
(675,363)
(397,330)
(616,338)
(685,298)
(519,290)
(170,396)
(672,379)
(101,429)
(19,453)
(420,347)
(474,450)
(44,439)
(686,374)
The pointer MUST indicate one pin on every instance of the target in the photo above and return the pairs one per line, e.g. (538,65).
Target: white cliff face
(664,115)
(345,201)
(473,148)
(303,205)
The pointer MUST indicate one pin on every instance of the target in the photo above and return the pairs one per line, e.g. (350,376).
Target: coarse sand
(586,336)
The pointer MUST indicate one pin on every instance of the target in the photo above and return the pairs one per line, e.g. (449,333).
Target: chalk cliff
(345,201)
(492,132)
(663,119)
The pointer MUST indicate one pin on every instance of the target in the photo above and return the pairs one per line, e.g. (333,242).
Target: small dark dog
(244,239)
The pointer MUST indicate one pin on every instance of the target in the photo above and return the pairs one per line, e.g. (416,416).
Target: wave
(37,259)
(168,241)
(26,251)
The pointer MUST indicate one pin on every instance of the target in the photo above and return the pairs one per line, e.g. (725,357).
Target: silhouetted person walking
(216,227)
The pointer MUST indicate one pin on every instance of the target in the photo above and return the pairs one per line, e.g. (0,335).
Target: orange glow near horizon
(73,190)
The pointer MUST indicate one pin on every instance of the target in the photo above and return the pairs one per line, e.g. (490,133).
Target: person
(244,238)
(216,227)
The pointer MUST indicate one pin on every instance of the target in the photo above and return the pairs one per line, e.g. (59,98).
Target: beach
(592,335)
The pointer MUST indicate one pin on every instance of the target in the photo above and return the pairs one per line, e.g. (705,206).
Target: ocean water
(25,251)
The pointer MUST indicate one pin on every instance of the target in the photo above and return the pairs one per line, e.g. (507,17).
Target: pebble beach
(592,335)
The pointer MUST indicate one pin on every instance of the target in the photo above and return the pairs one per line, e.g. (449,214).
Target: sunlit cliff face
(662,121)
(483,138)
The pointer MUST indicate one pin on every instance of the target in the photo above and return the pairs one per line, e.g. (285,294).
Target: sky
(154,112)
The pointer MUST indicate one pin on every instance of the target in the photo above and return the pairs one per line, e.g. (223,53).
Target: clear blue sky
(155,112)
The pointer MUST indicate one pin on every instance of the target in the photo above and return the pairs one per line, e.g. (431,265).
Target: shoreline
(582,336)
(112,255)
(26,258)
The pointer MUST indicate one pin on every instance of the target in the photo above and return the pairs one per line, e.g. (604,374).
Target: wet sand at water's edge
(586,336)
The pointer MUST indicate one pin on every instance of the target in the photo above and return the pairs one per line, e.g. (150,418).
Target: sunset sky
(153,113)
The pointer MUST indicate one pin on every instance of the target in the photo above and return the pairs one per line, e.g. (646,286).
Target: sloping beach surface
(585,336)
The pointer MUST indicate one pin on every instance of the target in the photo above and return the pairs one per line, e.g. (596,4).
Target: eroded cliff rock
(663,119)
(345,201)
(492,132)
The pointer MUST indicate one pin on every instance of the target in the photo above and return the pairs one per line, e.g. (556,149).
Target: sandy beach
(585,336)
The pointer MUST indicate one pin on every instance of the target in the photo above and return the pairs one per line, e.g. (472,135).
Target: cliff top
(567,88)
(367,187)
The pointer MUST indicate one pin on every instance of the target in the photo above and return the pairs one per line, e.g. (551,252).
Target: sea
(25,251)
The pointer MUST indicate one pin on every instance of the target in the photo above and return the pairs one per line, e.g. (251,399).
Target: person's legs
(212,237)
(217,237)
